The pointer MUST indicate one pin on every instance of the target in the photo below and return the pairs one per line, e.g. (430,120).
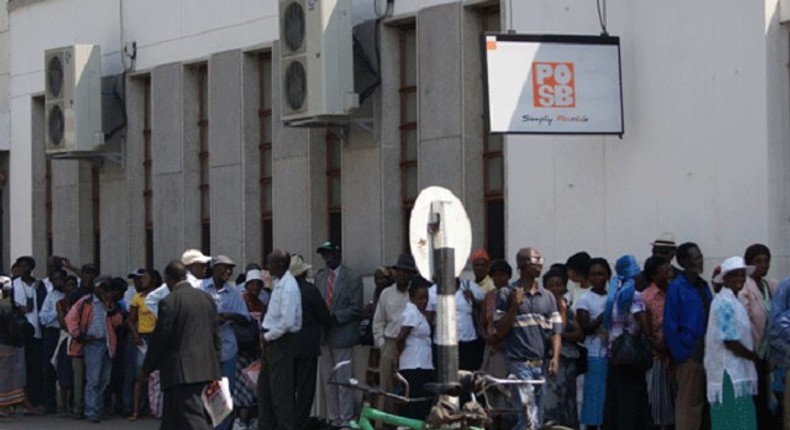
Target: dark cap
(222,259)
(89,267)
(405,262)
(328,246)
(500,266)
(103,280)
(139,273)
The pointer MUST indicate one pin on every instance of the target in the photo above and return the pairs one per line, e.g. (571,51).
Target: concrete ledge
(16,4)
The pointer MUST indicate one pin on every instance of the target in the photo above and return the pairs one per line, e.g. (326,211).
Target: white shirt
(22,293)
(193,281)
(154,297)
(575,292)
(464,311)
(417,351)
(48,285)
(49,312)
(158,294)
(595,305)
(386,319)
(284,314)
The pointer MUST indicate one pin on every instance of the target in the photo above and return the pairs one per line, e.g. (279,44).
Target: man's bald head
(279,261)
(529,262)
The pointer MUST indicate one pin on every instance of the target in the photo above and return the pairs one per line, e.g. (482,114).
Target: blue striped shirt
(537,321)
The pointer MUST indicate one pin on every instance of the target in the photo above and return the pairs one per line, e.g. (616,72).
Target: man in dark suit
(341,289)
(185,347)
(307,344)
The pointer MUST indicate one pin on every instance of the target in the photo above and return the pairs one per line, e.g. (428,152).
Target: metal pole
(446,335)
(444,271)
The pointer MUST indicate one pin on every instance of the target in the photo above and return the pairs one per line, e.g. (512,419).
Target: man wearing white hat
(195,263)
(666,247)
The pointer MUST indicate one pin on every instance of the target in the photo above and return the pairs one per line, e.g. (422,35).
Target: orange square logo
(553,85)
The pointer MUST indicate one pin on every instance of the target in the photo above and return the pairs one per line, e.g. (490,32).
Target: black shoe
(94,419)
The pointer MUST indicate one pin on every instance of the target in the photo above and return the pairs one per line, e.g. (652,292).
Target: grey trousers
(339,400)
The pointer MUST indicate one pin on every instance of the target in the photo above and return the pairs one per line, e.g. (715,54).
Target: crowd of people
(620,346)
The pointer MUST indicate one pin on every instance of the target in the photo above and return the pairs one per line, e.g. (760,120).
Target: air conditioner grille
(294,26)
(56,126)
(55,76)
(295,85)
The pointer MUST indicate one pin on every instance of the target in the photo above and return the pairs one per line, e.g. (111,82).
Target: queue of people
(620,346)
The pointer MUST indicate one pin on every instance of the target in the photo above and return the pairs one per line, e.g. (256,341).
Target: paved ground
(57,423)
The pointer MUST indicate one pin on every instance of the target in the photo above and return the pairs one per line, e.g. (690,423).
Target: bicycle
(483,383)
(444,415)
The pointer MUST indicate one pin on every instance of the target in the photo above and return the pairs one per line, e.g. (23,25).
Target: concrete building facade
(208,164)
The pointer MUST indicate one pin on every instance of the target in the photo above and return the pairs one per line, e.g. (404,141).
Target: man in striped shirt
(529,318)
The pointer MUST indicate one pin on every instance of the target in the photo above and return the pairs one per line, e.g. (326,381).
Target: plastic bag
(217,400)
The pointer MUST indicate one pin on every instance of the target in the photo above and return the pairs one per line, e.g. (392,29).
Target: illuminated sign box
(552,84)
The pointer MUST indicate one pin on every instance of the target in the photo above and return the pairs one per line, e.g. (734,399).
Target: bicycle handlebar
(378,391)
(491,381)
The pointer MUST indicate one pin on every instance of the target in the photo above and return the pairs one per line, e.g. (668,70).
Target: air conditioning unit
(316,60)
(72,97)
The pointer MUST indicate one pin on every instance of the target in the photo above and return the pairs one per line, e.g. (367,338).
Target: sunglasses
(533,260)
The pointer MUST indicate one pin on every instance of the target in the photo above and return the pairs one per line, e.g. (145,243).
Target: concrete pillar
(225,149)
(250,160)
(114,220)
(473,127)
(135,171)
(72,211)
(361,181)
(317,206)
(38,177)
(190,160)
(168,154)
(389,159)
(113,202)
(439,97)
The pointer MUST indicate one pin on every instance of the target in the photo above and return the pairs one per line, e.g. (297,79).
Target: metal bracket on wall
(94,157)
(367,124)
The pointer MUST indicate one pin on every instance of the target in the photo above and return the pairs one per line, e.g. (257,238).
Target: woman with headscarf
(729,353)
(756,296)
(627,406)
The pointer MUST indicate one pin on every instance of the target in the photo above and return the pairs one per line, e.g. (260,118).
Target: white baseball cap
(192,256)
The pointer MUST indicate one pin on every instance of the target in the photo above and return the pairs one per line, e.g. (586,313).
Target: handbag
(632,351)
(581,362)
(23,328)
(366,331)
(247,335)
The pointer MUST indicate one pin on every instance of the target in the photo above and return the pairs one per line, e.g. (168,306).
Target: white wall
(694,158)
(165,31)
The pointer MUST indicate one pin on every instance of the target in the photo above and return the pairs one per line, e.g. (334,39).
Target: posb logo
(553,85)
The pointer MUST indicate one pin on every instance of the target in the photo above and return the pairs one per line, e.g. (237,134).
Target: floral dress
(732,380)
